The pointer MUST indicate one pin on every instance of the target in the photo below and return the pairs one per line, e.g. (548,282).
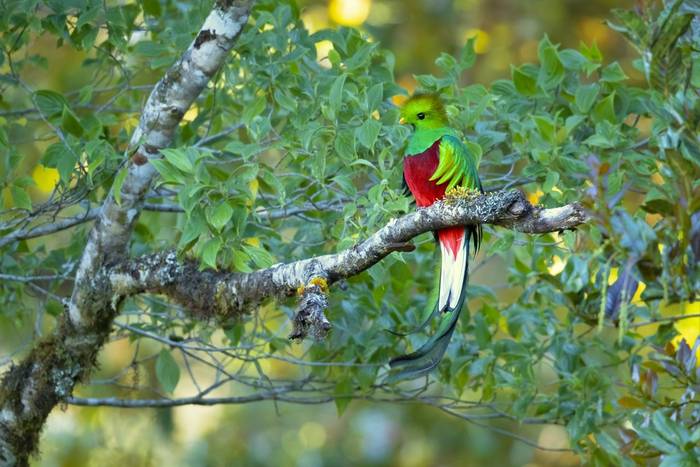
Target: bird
(436,161)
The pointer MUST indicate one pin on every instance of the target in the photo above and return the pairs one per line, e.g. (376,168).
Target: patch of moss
(45,377)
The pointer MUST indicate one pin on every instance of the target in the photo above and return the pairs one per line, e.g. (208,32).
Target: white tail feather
(445,269)
(452,272)
(458,272)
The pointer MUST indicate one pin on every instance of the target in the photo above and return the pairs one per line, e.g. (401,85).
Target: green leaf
(613,73)
(21,198)
(70,123)
(179,159)
(152,7)
(284,100)
(334,58)
(374,96)
(345,145)
(210,250)
(591,52)
(246,151)
(502,244)
(550,181)
(546,128)
(551,70)
(318,168)
(467,57)
(240,261)
(673,432)
(259,255)
(167,371)
(194,228)
(150,49)
(244,173)
(60,157)
(167,172)
(269,182)
(695,436)
(695,75)
(254,109)
(117,186)
(657,202)
(599,141)
(87,16)
(364,162)
(524,83)
(368,132)
(573,59)
(586,96)
(343,389)
(604,110)
(49,103)
(571,123)
(219,215)
(446,63)
(335,97)
(86,94)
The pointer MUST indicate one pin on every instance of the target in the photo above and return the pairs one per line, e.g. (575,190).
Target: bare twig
(50,228)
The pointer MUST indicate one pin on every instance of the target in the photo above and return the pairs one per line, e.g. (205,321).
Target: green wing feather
(458,164)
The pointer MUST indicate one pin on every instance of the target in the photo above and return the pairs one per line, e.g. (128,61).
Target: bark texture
(32,388)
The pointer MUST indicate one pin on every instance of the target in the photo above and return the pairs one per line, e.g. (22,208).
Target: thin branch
(263,213)
(503,432)
(281,394)
(15,278)
(50,228)
(216,137)
(664,319)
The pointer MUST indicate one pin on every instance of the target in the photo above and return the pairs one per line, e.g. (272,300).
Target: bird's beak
(402,120)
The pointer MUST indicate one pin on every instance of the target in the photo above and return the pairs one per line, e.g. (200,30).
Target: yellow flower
(482,39)
(45,178)
(688,329)
(349,12)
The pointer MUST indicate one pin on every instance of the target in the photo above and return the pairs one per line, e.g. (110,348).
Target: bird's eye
(420,115)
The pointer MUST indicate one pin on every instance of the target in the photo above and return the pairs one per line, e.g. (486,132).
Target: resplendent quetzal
(436,160)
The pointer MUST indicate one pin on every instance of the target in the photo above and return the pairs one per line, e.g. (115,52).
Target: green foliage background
(290,155)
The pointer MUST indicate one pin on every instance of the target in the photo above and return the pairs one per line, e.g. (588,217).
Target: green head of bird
(424,112)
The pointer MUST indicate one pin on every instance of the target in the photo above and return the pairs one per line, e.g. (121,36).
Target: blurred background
(507,32)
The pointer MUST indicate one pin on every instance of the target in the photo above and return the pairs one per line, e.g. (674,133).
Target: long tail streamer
(450,301)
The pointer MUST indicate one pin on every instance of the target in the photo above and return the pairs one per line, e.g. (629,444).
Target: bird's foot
(461,192)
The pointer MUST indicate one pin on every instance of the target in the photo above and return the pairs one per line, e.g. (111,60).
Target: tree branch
(223,295)
(316,397)
(164,109)
(50,228)
(31,389)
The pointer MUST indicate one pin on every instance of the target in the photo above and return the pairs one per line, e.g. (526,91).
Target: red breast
(417,171)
